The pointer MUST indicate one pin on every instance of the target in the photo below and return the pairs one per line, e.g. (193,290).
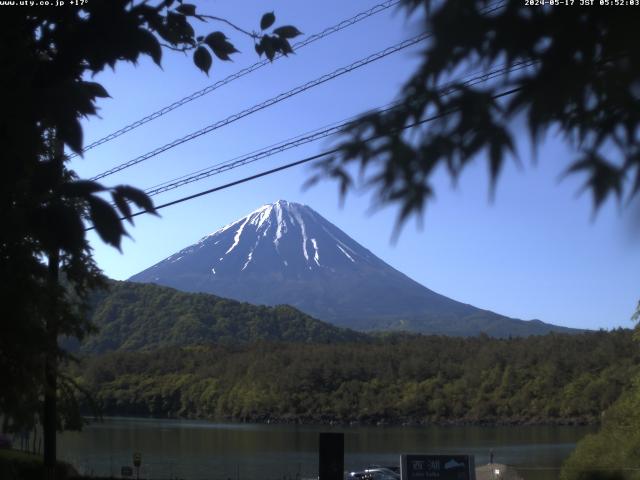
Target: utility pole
(49,419)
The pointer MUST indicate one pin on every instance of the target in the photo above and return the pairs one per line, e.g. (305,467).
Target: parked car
(375,473)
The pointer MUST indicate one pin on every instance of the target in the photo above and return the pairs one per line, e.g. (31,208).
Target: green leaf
(603,177)
(495,162)
(217,42)
(65,226)
(259,49)
(267,20)
(148,43)
(202,59)
(214,39)
(168,33)
(70,228)
(95,89)
(137,196)
(268,46)
(80,188)
(282,45)
(179,28)
(70,132)
(106,221)
(288,31)
(224,52)
(186,9)
(122,204)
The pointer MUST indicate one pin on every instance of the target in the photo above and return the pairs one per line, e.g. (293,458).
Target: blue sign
(440,467)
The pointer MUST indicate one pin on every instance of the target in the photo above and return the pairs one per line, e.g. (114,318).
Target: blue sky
(536,251)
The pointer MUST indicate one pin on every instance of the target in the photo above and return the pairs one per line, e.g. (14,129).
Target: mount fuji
(286,253)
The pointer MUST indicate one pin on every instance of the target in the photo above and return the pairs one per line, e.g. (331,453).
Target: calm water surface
(202,450)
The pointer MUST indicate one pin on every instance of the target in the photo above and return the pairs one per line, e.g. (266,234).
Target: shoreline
(366,422)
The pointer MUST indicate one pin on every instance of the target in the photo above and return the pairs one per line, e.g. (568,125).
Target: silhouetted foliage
(613,451)
(47,57)
(555,378)
(17,465)
(581,81)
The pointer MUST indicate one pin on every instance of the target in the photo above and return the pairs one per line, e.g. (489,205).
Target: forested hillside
(133,316)
(612,453)
(551,379)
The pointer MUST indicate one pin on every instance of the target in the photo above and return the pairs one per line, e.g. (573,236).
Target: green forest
(397,378)
(135,316)
(613,452)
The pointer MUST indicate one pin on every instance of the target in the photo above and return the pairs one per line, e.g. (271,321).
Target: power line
(244,159)
(314,135)
(341,71)
(241,73)
(267,103)
(295,164)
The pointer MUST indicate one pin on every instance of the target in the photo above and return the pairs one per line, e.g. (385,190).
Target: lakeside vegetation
(555,378)
(612,452)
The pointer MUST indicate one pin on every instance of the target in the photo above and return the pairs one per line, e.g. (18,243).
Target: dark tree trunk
(49,419)
(51,375)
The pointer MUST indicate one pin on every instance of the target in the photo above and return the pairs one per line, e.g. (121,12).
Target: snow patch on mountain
(236,238)
(281,228)
(316,255)
(345,253)
(298,217)
(248,260)
(260,216)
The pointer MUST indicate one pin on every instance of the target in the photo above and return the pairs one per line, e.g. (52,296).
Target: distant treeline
(137,316)
(555,378)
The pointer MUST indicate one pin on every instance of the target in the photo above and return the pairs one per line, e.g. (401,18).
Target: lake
(191,449)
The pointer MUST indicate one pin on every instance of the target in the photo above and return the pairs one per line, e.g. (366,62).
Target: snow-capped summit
(286,253)
(283,236)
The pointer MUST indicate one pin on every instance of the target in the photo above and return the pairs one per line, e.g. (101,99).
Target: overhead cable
(293,164)
(267,103)
(241,73)
(314,135)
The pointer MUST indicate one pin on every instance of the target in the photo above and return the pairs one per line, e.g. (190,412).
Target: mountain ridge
(135,316)
(287,253)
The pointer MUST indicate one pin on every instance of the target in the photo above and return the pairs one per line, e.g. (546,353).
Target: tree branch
(183,49)
(232,25)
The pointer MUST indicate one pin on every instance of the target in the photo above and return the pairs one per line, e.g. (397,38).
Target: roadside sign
(137,459)
(126,472)
(440,467)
